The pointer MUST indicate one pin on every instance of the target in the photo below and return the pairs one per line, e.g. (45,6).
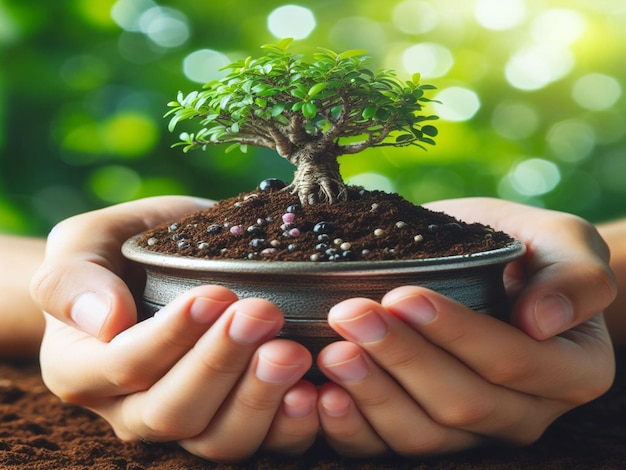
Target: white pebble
(152,241)
(378,232)
(418,238)
(345,246)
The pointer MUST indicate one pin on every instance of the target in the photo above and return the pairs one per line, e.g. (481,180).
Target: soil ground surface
(270,224)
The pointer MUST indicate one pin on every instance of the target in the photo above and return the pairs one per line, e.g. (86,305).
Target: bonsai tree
(309,112)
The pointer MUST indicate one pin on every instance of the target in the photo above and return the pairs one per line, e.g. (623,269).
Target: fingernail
(554,313)
(247,330)
(351,370)
(205,309)
(296,406)
(416,309)
(365,328)
(273,373)
(90,311)
(337,407)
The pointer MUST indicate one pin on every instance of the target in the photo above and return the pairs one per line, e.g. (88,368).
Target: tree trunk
(317,177)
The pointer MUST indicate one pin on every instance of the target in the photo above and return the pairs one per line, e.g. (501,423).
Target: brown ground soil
(39,432)
(271,225)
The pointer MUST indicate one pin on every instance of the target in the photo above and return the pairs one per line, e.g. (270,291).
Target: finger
(345,429)
(253,404)
(567,278)
(504,355)
(296,423)
(185,400)
(80,281)
(127,364)
(391,412)
(451,394)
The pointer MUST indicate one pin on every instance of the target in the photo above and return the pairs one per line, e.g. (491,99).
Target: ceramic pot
(305,291)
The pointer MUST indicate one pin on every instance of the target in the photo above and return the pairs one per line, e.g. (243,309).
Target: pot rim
(146,257)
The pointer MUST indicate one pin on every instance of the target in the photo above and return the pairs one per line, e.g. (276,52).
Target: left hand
(451,380)
(422,374)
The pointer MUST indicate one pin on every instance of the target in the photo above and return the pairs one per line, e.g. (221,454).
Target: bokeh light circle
(596,91)
(204,65)
(291,21)
(458,104)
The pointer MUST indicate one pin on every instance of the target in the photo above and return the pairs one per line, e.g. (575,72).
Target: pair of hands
(418,374)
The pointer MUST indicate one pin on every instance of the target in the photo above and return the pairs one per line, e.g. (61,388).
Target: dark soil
(270,224)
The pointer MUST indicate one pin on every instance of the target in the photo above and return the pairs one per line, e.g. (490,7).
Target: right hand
(193,374)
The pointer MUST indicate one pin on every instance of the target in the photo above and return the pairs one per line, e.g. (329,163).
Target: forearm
(615,235)
(21,321)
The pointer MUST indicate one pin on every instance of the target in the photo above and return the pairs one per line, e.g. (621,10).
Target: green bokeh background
(534,107)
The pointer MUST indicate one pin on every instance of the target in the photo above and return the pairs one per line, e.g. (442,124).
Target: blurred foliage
(532,91)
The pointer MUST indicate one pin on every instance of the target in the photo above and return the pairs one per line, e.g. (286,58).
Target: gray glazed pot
(305,291)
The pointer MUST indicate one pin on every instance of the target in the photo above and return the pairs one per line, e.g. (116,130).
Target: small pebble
(322,227)
(183,244)
(401,224)
(254,229)
(374,206)
(379,232)
(203,246)
(271,184)
(294,208)
(294,232)
(275,243)
(433,228)
(236,230)
(315,257)
(172,228)
(418,238)
(268,251)
(292,247)
(347,255)
(345,246)
(323,238)
(257,243)
(289,217)
(213,229)
(337,241)
(152,241)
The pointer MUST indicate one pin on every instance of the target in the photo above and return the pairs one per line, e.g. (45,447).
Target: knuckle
(258,402)
(469,413)
(159,425)
(510,370)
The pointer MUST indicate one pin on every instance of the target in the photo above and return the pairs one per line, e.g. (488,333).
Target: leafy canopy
(281,101)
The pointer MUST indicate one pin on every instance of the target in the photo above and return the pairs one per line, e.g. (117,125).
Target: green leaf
(404,138)
(368,112)
(309,110)
(430,130)
(284,43)
(230,148)
(277,109)
(416,77)
(298,93)
(351,53)
(315,89)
